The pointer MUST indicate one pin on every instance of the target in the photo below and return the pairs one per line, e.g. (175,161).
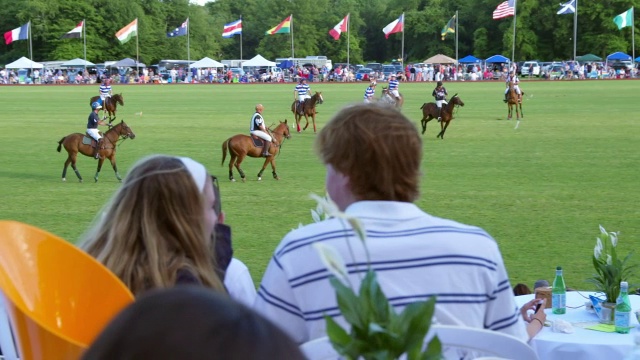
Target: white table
(583,344)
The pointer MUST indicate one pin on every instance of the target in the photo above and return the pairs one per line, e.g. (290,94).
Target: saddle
(88,140)
(257,142)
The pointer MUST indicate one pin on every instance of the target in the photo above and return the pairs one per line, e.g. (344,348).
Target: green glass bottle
(559,293)
(623,310)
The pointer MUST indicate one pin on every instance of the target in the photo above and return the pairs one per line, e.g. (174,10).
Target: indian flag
(126,33)
(282,28)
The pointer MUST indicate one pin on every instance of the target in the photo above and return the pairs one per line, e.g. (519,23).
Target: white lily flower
(315,215)
(597,252)
(602,230)
(614,238)
(329,208)
(332,261)
(609,260)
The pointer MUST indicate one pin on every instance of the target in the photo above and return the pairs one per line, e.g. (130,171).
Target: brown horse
(110,105)
(387,97)
(430,112)
(242,145)
(514,101)
(74,144)
(308,109)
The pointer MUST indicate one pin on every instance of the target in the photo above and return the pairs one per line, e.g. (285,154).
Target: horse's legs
(232,161)
(442,127)
(444,130)
(521,112)
(73,159)
(313,118)
(264,166)
(306,117)
(238,162)
(100,161)
(115,167)
(297,116)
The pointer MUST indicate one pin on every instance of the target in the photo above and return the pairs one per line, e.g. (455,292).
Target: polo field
(540,190)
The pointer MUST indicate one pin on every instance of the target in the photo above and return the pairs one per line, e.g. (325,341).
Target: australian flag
(567,8)
(179,31)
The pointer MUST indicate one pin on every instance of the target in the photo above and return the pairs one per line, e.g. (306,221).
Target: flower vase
(607,313)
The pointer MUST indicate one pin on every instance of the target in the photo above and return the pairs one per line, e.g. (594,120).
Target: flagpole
(291,24)
(348,38)
(575,30)
(188,45)
(457,21)
(513,47)
(137,53)
(403,23)
(240,39)
(84,41)
(30,47)
(633,34)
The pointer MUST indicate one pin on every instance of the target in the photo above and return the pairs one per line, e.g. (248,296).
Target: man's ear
(221,217)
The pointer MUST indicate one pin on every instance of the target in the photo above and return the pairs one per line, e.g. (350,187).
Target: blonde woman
(156,230)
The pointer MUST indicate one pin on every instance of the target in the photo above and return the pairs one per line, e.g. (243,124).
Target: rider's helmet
(439,83)
(373,83)
(96,105)
(302,80)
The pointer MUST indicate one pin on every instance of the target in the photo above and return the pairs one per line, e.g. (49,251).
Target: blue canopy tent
(285,64)
(497,59)
(637,59)
(618,56)
(469,59)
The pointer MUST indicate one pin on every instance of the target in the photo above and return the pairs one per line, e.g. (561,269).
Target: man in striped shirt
(415,255)
(302,90)
(370,92)
(105,95)
(393,87)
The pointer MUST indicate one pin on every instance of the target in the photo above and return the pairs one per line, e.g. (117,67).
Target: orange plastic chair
(58,297)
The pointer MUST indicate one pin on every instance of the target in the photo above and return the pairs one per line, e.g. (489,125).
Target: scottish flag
(567,8)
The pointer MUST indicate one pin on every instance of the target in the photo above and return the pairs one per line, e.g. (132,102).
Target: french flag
(340,28)
(395,26)
(232,28)
(21,33)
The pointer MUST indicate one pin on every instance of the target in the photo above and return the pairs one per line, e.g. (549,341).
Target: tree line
(540,33)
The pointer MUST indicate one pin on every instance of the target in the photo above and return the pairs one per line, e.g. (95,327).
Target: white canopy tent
(206,63)
(77,62)
(24,63)
(258,60)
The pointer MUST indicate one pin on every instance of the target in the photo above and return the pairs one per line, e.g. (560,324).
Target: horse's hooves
(259,178)
(64,179)
(244,179)
(233,180)
(80,180)
(277,178)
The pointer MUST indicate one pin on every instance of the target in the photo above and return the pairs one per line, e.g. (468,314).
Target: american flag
(505,9)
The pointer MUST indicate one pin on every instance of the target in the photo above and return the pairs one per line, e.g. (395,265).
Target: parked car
(535,67)
(365,74)
(374,66)
(388,70)
(237,71)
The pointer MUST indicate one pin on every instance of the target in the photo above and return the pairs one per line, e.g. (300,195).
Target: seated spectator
(156,230)
(521,289)
(376,179)
(191,323)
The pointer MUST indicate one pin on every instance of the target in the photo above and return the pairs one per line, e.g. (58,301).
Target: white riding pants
(516,87)
(301,98)
(368,101)
(94,133)
(440,102)
(261,134)
(395,93)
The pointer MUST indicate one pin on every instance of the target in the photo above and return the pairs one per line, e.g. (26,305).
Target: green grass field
(541,190)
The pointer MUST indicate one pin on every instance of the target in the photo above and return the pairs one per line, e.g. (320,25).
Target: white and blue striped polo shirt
(393,84)
(302,89)
(369,93)
(415,256)
(105,89)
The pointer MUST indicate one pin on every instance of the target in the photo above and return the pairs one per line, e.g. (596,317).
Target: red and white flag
(505,9)
(340,28)
(396,26)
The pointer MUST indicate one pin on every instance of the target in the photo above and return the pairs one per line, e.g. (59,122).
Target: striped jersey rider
(440,94)
(92,127)
(105,92)
(393,87)
(370,92)
(302,90)
(258,129)
(512,78)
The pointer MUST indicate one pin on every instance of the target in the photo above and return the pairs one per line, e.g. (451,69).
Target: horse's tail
(423,104)
(224,150)
(60,143)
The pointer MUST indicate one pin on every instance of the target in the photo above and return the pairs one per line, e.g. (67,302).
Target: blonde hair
(154,227)
(377,147)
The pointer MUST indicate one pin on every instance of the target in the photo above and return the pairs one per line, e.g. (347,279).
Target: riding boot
(439,114)
(96,150)
(505,97)
(265,149)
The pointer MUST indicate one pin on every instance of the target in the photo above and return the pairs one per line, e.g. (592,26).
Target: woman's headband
(197,171)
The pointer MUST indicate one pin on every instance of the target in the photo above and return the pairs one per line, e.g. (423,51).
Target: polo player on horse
(513,78)
(302,90)
(105,95)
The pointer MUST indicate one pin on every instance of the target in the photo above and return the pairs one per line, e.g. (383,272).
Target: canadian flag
(340,28)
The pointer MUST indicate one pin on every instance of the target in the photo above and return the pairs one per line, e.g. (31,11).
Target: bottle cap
(559,268)
(624,284)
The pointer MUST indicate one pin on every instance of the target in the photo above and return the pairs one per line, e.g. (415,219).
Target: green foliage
(377,331)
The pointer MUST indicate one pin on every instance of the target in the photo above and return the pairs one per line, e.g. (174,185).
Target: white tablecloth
(583,344)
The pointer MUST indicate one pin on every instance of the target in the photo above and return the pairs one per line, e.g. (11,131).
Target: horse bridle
(121,137)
